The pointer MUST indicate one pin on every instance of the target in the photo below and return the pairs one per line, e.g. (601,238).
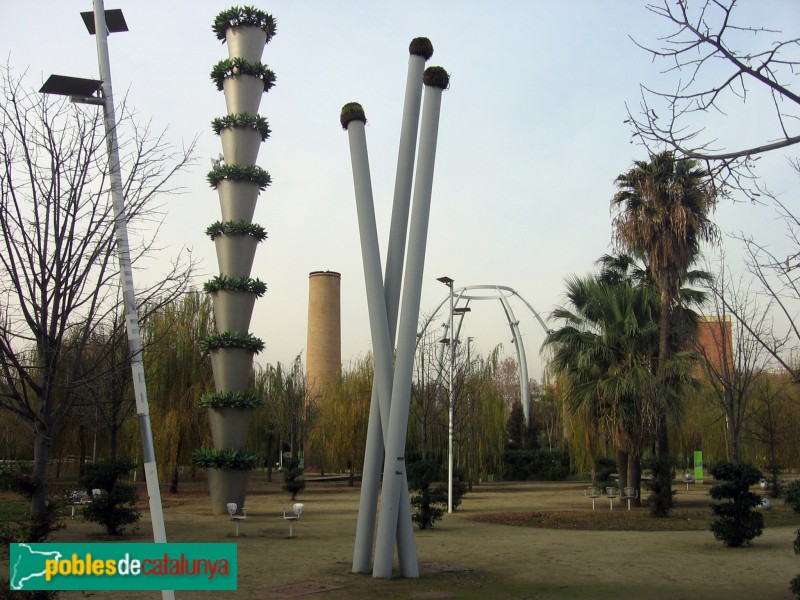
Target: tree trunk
(662,432)
(81,449)
(622,468)
(733,435)
(41,455)
(635,476)
(173,488)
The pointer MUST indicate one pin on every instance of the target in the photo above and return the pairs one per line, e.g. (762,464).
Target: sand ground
(461,558)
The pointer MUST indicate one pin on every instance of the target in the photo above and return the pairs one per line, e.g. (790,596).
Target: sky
(531,137)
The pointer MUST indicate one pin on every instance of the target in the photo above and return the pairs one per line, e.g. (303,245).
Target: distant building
(715,343)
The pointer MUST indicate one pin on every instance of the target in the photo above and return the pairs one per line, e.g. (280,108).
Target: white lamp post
(100,23)
(451,341)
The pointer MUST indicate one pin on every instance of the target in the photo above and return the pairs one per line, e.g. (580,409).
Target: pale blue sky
(531,137)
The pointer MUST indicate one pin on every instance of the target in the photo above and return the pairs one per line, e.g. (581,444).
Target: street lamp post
(100,23)
(451,341)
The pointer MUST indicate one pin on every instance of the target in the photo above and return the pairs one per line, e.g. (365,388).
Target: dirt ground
(462,558)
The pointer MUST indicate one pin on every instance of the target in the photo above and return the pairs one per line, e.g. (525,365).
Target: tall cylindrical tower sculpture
(324,341)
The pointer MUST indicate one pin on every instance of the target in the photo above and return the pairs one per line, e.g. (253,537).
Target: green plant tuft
(352,111)
(230,400)
(235,284)
(231,339)
(231,67)
(230,459)
(236,228)
(421,46)
(238,16)
(242,121)
(250,173)
(436,77)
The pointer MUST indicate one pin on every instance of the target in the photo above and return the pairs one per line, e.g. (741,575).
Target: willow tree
(58,267)
(662,211)
(338,439)
(177,376)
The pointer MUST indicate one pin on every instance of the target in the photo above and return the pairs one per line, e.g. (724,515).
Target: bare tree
(719,60)
(58,273)
(732,350)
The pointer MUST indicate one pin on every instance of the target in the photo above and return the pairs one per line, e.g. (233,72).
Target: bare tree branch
(723,61)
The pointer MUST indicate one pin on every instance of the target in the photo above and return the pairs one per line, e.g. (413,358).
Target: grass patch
(13,508)
(680,519)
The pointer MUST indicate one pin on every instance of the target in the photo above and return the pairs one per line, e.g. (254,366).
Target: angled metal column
(376,304)
(419,52)
(394,462)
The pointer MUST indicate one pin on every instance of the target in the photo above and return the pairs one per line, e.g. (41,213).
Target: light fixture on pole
(100,23)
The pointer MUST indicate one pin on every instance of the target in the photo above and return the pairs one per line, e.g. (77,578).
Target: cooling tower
(324,342)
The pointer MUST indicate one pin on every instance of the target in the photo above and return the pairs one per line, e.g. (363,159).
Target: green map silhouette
(27,563)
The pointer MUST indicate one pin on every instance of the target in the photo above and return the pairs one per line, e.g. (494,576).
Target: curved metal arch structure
(501,293)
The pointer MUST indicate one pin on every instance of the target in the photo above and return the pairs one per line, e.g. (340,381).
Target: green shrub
(604,468)
(793,495)
(115,507)
(428,503)
(20,527)
(737,520)
(662,497)
(541,465)
(293,481)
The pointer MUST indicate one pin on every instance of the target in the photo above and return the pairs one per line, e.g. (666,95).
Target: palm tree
(604,353)
(662,215)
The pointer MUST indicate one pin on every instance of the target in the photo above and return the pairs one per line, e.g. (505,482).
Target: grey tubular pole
(126,277)
(394,471)
(376,301)
(373,454)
